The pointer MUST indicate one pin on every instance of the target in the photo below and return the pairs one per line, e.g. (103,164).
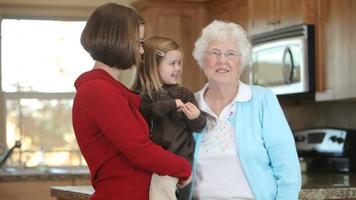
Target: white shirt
(219,174)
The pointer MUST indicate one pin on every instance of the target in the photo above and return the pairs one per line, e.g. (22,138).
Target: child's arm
(196,119)
(161,108)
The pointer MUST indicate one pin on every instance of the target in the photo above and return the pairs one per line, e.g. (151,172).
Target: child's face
(170,68)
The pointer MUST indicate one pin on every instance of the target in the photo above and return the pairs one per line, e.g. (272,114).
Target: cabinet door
(29,190)
(337,50)
(261,16)
(229,10)
(288,12)
(267,15)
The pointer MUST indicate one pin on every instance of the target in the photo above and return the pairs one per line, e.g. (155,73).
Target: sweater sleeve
(123,125)
(281,149)
(158,108)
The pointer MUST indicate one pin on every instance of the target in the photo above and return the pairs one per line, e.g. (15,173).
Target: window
(40,60)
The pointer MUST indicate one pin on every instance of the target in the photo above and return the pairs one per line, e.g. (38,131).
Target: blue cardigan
(266,147)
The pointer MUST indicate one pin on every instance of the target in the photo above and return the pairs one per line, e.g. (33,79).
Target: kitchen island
(34,183)
(315,186)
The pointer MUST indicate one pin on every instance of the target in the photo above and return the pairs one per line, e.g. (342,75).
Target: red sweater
(114,140)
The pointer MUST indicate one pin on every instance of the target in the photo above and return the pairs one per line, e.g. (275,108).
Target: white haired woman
(247,150)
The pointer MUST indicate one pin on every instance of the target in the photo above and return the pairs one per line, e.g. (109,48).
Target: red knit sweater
(113,138)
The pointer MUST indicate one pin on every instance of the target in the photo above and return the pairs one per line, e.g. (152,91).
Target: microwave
(284,60)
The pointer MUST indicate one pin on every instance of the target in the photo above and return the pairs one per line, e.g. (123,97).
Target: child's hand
(190,110)
(182,184)
(179,103)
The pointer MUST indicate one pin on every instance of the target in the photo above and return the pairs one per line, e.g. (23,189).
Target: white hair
(220,30)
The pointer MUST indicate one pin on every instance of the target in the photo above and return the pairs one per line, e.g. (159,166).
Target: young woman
(112,134)
(170,110)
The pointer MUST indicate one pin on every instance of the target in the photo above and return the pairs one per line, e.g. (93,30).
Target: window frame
(36,12)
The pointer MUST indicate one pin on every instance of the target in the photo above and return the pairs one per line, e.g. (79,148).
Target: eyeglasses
(229,54)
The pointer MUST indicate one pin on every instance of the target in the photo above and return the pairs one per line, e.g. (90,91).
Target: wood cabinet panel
(39,190)
(336,49)
(260,16)
(288,12)
(268,15)
(35,190)
(229,10)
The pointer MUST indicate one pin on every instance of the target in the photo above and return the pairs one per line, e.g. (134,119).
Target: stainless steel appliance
(327,149)
(284,60)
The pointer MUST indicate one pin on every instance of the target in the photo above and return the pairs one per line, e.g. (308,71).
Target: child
(170,110)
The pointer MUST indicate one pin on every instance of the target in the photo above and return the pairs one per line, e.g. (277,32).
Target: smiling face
(221,62)
(170,67)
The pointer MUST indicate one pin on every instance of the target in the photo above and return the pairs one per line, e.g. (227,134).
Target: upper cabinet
(336,47)
(228,10)
(268,15)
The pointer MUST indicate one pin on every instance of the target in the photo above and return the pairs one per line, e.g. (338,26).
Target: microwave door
(279,65)
(267,65)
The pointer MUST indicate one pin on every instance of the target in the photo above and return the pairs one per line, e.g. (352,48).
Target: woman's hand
(181,184)
(190,110)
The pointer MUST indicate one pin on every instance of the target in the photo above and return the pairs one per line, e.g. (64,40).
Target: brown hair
(111,34)
(155,49)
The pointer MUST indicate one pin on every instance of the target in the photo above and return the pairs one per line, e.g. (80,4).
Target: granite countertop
(315,186)
(43,174)
(328,186)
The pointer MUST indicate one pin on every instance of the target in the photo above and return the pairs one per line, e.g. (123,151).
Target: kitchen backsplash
(308,114)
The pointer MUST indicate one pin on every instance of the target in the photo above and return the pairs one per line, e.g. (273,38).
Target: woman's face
(170,67)
(221,62)
(141,34)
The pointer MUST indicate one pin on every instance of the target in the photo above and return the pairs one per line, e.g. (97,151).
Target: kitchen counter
(35,183)
(328,186)
(315,186)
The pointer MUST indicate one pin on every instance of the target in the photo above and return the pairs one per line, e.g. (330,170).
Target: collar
(243,93)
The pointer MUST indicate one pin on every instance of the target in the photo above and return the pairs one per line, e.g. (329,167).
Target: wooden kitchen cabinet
(261,16)
(269,15)
(229,10)
(29,190)
(336,46)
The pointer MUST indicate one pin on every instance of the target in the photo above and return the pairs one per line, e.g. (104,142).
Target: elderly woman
(247,150)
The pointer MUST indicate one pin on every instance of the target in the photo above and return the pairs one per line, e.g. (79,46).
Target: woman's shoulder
(261,93)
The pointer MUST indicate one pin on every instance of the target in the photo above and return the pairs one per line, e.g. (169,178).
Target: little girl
(170,110)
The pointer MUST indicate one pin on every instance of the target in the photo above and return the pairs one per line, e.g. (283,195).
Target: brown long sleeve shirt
(169,128)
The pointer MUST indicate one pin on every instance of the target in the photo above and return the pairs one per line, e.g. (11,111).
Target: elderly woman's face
(221,62)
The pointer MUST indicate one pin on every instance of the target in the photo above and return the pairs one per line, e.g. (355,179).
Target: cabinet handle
(271,22)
